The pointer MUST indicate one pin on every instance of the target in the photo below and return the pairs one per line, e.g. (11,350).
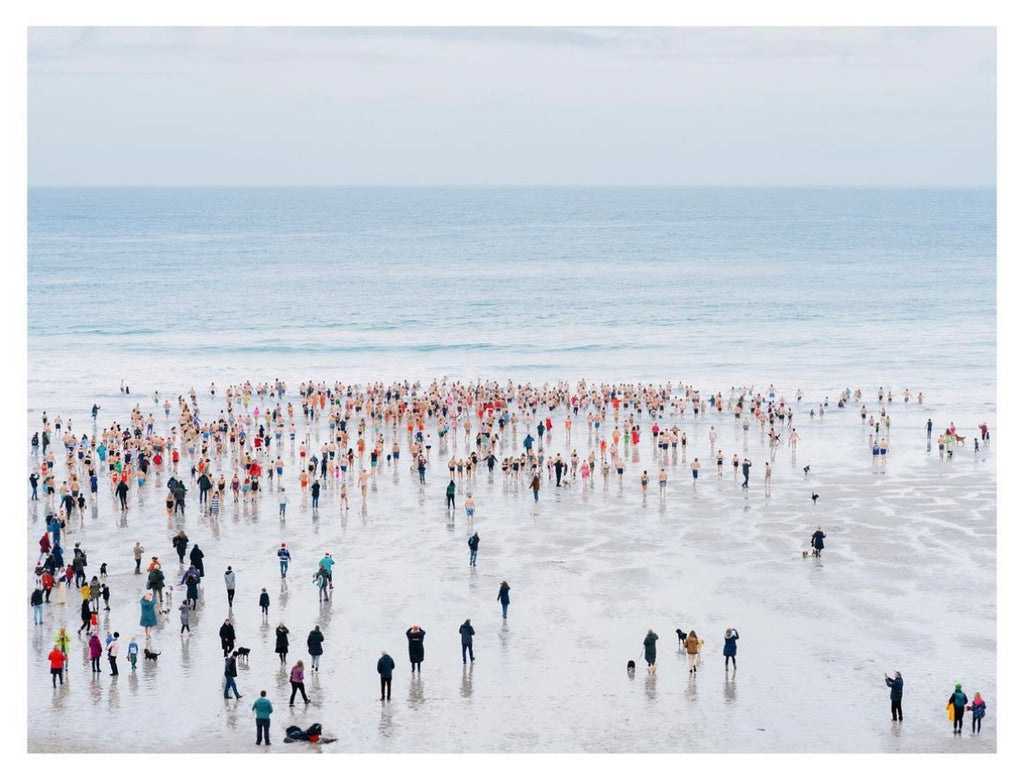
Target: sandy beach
(591,569)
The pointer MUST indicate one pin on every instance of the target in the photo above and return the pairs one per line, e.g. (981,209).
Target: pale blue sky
(512,106)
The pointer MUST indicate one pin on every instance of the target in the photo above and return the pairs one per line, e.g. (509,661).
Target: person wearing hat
(895,684)
(415,636)
(959,701)
(327,562)
(729,649)
(283,557)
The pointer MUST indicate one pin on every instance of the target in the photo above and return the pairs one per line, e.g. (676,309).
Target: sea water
(810,289)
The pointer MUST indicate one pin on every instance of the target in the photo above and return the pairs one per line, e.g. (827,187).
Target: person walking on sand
(693,645)
(535,486)
(895,684)
(133,653)
(230,673)
(415,636)
(746,473)
(283,558)
(503,591)
(466,632)
(729,650)
(959,701)
(229,583)
(817,542)
(315,646)
(449,494)
(977,708)
(650,649)
(297,680)
(695,469)
(185,611)
(137,551)
(385,666)
(470,507)
(474,544)
(262,707)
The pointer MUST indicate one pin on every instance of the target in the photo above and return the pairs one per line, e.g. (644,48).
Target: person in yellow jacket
(693,645)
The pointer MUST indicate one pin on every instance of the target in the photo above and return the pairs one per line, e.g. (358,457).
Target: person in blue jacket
(977,708)
(503,597)
(895,684)
(959,701)
(262,707)
(729,650)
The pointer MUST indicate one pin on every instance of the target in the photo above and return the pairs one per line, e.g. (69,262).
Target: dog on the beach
(959,438)
(682,637)
(804,553)
(150,654)
(630,667)
(807,469)
(243,652)
(814,497)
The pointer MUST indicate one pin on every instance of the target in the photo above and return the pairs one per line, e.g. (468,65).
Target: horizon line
(908,186)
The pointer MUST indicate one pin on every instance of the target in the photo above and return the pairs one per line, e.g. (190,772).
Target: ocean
(817,289)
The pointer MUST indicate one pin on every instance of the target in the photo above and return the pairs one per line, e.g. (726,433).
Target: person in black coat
(817,542)
(204,488)
(227,637)
(415,636)
(180,544)
(385,666)
(195,557)
(281,644)
(466,632)
(315,645)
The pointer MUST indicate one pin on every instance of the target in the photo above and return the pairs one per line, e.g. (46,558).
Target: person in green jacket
(959,701)
(262,707)
(449,494)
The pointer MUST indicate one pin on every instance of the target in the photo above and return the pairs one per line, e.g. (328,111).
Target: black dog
(150,655)
(814,497)
(681,635)
(242,652)
(807,469)
(630,667)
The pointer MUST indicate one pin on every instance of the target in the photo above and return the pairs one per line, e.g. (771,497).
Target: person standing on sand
(817,542)
(415,636)
(729,650)
(474,544)
(229,584)
(262,707)
(147,617)
(137,551)
(977,708)
(695,469)
(895,684)
(650,649)
(283,556)
(746,473)
(959,702)
(385,667)
(57,660)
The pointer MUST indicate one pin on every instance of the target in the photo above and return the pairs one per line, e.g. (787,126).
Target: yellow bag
(949,711)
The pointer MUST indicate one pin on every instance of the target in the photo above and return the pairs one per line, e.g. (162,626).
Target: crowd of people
(332,434)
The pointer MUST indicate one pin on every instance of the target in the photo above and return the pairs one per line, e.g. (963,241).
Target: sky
(493,106)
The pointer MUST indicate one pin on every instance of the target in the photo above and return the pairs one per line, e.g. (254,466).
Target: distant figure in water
(817,542)
(729,650)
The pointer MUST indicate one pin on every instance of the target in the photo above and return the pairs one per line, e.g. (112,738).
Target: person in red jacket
(57,659)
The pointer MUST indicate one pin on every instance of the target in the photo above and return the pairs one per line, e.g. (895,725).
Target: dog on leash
(682,637)
(150,654)
(243,652)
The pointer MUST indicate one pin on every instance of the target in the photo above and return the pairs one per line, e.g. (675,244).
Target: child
(105,594)
(133,652)
(977,707)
